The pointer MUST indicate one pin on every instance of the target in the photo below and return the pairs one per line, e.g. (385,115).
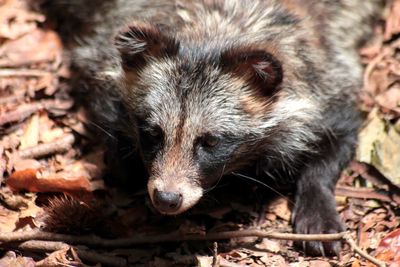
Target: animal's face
(197,117)
(192,124)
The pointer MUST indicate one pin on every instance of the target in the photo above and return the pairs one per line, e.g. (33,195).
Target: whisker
(264,184)
(219,179)
(103,130)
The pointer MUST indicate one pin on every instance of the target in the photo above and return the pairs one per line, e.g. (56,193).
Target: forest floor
(51,175)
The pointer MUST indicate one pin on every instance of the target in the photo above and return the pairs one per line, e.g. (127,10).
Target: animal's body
(210,87)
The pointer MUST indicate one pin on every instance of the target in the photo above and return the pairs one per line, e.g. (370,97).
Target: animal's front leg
(315,207)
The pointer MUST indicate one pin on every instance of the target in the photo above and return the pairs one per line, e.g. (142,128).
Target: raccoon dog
(209,87)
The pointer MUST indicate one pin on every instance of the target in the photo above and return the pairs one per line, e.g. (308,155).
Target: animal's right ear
(139,42)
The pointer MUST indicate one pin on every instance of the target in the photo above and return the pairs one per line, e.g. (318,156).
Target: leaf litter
(51,170)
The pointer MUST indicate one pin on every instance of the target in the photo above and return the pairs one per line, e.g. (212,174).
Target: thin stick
(172,237)
(347,237)
(96,241)
(3,164)
(86,255)
(215,262)
(12,98)
(59,145)
(22,72)
(26,110)
(20,114)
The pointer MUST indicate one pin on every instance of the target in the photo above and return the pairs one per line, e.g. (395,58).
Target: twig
(360,252)
(26,110)
(370,173)
(3,164)
(20,113)
(41,246)
(172,237)
(372,65)
(215,262)
(362,193)
(16,96)
(86,255)
(225,263)
(61,144)
(22,72)
(96,241)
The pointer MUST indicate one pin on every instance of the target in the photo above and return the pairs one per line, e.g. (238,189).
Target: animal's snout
(167,201)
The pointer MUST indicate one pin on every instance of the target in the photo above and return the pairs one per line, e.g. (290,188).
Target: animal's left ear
(141,41)
(257,66)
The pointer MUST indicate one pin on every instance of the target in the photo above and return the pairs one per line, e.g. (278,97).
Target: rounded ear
(136,43)
(260,68)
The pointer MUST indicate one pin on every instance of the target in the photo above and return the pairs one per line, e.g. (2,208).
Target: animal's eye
(209,141)
(151,135)
(154,134)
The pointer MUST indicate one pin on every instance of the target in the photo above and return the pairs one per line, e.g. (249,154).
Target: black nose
(167,201)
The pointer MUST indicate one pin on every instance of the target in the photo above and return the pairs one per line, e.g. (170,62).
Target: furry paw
(311,221)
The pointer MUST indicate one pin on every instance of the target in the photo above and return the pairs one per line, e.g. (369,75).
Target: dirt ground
(55,209)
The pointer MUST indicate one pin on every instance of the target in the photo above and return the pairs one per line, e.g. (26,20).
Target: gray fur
(305,130)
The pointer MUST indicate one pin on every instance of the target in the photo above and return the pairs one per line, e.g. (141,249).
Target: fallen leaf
(33,180)
(12,201)
(36,46)
(355,263)
(11,259)
(204,261)
(388,249)
(30,136)
(269,245)
(393,21)
(378,146)
(8,220)
(280,207)
(224,262)
(23,164)
(63,257)
(31,209)
(319,263)
(16,20)
(390,100)
(51,135)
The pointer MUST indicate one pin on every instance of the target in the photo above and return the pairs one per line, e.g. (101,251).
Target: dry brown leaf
(204,261)
(371,50)
(389,249)
(16,20)
(270,260)
(48,131)
(393,20)
(90,166)
(64,257)
(219,212)
(8,220)
(319,263)
(269,245)
(390,100)
(280,207)
(355,263)
(31,209)
(11,259)
(33,180)
(37,46)
(379,80)
(378,146)
(30,136)
(364,240)
(23,164)
(224,262)
(48,82)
